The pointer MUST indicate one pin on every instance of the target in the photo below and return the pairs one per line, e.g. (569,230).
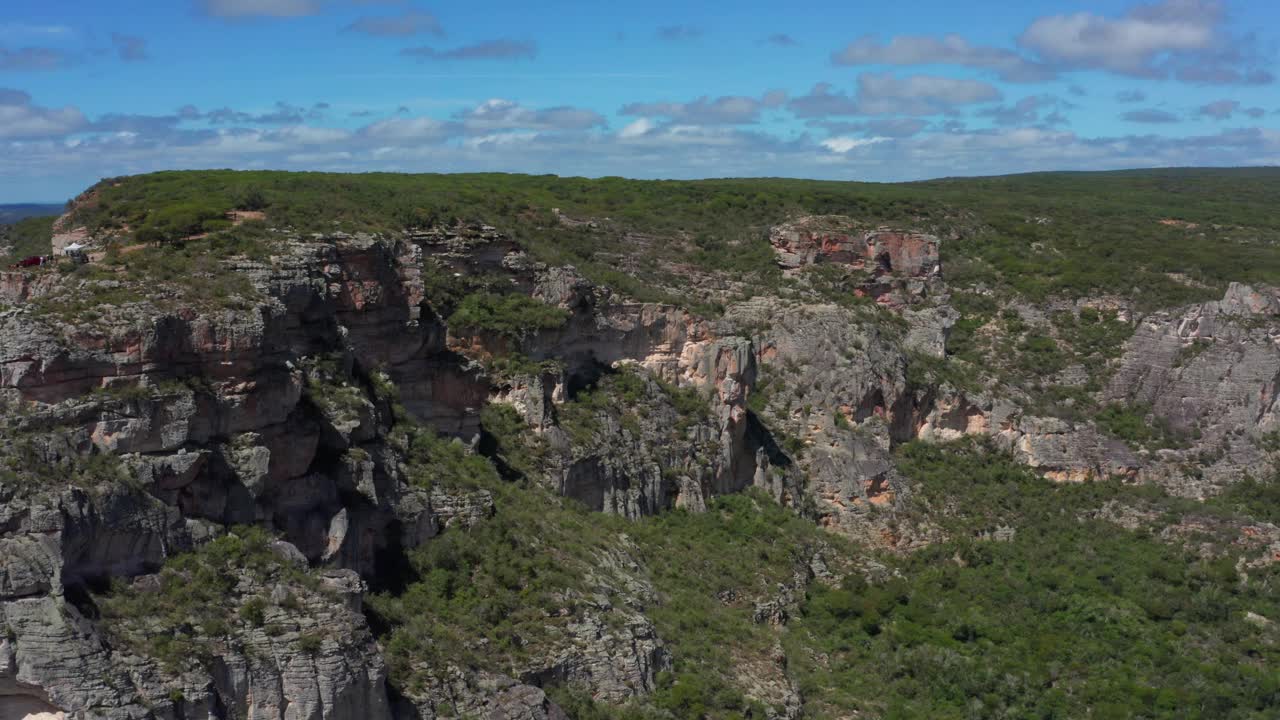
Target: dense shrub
(181,220)
(1138,426)
(27,237)
(1097,233)
(513,315)
(1072,617)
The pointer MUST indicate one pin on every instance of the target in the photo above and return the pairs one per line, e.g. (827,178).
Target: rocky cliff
(199,490)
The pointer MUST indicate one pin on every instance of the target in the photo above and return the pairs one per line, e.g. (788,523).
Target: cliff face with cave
(142,427)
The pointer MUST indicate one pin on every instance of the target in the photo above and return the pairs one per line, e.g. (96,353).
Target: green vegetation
(631,395)
(1039,356)
(925,370)
(836,284)
(509,366)
(975,312)
(1069,616)
(24,463)
(179,221)
(1036,235)
(1138,427)
(519,578)
(501,580)
(1103,232)
(695,560)
(1253,498)
(515,447)
(513,314)
(516,580)
(188,274)
(618,394)
(1001,345)
(1027,601)
(27,237)
(1072,617)
(199,599)
(1094,336)
(431,459)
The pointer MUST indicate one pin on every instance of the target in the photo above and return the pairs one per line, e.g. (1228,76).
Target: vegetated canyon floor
(304,445)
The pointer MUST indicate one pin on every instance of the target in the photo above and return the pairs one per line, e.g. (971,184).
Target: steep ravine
(148,427)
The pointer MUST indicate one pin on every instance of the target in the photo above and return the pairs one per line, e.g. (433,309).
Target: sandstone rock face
(21,286)
(55,658)
(223,417)
(470,694)
(837,239)
(899,264)
(158,424)
(635,461)
(1211,372)
(1066,452)
(836,384)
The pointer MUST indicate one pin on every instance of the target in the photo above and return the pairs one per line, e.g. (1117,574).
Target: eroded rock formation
(287,412)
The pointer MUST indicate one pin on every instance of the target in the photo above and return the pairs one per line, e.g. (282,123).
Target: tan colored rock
(841,240)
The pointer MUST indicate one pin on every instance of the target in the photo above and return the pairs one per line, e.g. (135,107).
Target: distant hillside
(14,213)
(1159,237)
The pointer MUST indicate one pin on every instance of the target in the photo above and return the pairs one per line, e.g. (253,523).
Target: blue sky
(849,90)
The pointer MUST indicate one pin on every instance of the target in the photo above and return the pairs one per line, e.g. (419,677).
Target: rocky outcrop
(21,286)
(899,265)
(274,415)
(835,392)
(640,450)
(1211,372)
(1068,452)
(55,658)
(462,693)
(151,426)
(838,239)
(599,641)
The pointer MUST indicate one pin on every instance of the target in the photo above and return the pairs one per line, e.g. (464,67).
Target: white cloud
(888,94)
(499,139)
(410,22)
(1125,45)
(637,128)
(20,30)
(307,135)
(1185,38)
(498,114)
(43,147)
(875,88)
(950,49)
(319,158)
(841,144)
(1226,109)
(418,128)
(20,119)
(725,110)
